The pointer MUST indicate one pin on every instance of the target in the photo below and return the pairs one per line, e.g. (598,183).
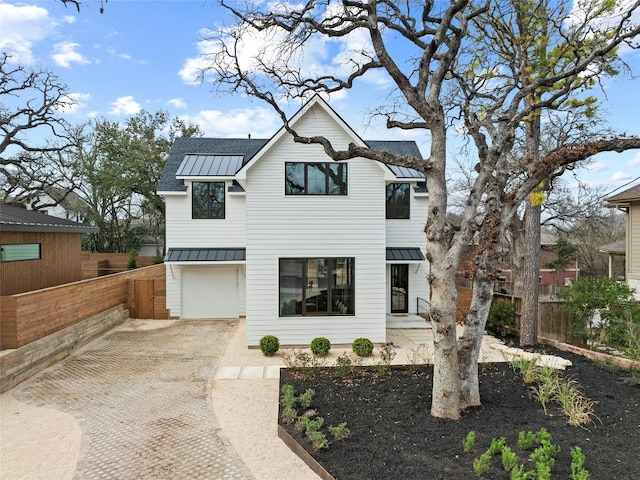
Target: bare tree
(430,51)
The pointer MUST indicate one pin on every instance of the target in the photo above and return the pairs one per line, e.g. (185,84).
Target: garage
(209,292)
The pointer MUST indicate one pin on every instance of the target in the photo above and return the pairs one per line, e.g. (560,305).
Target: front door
(399,288)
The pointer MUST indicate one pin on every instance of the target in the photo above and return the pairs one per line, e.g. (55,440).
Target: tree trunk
(446,381)
(530,276)
(469,343)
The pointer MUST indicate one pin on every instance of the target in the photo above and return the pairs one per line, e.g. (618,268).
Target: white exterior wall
(410,233)
(314,226)
(185,232)
(633,248)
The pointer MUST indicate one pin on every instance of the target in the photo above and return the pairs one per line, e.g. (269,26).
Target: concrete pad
(272,371)
(252,373)
(228,373)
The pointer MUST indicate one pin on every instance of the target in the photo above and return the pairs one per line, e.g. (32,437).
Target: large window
(398,200)
(207,200)
(316,286)
(315,178)
(21,251)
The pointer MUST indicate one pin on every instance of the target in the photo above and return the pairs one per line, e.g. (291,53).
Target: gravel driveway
(142,401)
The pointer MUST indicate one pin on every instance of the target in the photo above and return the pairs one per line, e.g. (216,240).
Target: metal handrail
(422,306)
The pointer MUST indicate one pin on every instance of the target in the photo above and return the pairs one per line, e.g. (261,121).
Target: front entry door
(399,288)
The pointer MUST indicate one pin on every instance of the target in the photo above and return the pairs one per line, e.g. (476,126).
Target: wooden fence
(553,322)
(98,264)
(29,316)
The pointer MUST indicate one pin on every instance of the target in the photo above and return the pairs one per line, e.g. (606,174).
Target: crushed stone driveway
(142,399)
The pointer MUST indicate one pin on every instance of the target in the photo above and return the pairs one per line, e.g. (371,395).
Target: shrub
(269,345)
(469,442)
(363,347)
(501,314)
(320,346)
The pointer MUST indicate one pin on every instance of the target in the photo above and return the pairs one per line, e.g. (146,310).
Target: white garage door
(209,292)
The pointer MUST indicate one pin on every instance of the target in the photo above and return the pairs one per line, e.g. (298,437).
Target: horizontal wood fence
(29,316)
(98,264)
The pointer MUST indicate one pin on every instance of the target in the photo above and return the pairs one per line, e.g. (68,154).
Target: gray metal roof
(206,255)
(200,165)
(397,254)
(17,219)
(219,148)
(208,146)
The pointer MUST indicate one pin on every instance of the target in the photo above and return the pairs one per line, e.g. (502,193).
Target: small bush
(340,431)
(320,346)
(469,442)
(363,347)
(501,314)
(269,345)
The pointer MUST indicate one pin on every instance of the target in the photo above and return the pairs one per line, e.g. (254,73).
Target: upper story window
(207,200)
(398,200)
(21,251)
(315,178)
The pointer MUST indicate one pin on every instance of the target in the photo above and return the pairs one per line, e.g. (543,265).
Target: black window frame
(209,214)
(338,299)
(329,187)
(393,206)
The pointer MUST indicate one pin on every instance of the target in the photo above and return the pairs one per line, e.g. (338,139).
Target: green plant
(481,464)
(288,412)
(340,431)
(469,441)
(587,296)
(269,345)
(363,347)
(318,439)
(496,445)
(133,260)
(509,459)
(387,353)
(320,346)
(527,368)
(526,440)
(302,363)
(578,472)
(344,365)
(547,386)
(501,314)
(305,399)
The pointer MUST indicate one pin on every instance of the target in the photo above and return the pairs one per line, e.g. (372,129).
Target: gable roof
(192,157)
(17,219)
(244,147)
(623,198)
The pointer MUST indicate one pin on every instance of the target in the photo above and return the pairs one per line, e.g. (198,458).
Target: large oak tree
(442,75)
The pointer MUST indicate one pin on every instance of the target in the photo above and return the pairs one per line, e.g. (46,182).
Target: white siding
(408,232)
(173,290)
(314,226)
(186,232)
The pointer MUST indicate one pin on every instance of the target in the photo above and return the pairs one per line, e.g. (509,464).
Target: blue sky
(141,54)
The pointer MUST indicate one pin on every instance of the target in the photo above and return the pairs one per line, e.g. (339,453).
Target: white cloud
(635,161)
(596,166)
(126,106)
(70,19)
(76,103)
(259,122)
(65,54)
(177,103)
(620,177)
(22,26)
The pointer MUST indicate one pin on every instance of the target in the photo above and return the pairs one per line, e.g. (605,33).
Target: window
(315,178)
(21,251)
(207,200)
(316,286)
(398,200)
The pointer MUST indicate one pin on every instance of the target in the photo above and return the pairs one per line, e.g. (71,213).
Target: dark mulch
(393,436)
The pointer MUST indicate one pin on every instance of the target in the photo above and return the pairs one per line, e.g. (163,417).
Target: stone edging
(625,363)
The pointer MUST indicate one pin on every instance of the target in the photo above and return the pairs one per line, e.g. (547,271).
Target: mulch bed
(394,436)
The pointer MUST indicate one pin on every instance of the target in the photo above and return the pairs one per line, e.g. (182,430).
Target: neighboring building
(299,244)
(59,203)
(629,202)
(38,250)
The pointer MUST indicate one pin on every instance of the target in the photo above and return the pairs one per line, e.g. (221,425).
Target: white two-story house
(300,245)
